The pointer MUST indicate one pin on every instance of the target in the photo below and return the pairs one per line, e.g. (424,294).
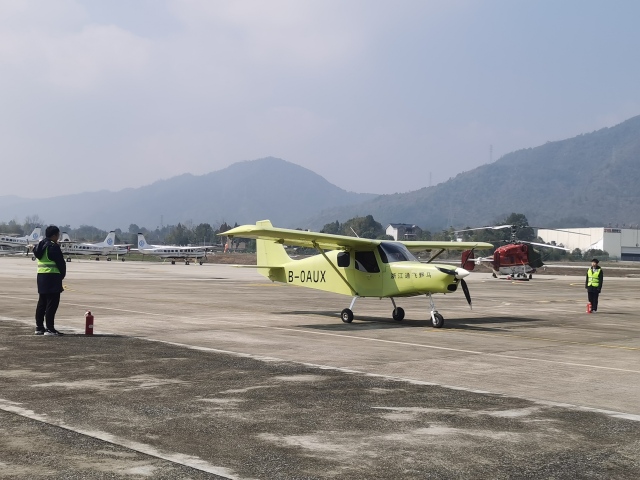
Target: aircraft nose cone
(461,273)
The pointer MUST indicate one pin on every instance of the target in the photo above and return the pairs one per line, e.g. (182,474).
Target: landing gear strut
(437,320)
(398,312)
(347,314)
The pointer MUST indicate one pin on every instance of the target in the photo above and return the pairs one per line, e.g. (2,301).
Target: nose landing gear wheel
(437,320)
(398,314)
(346,315)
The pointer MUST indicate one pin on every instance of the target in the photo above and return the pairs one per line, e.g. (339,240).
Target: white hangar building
(619,243)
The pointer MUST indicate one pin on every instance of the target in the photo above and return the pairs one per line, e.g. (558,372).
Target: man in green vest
(593,284)
(51,271)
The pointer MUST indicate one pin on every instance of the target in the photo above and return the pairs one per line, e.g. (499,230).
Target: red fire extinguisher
(88,327)
(589,307)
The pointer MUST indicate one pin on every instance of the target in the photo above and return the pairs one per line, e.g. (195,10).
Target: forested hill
(591,179)
(244,192)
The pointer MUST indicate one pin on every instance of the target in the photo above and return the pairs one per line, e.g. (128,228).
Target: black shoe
(53,332)
(39,332)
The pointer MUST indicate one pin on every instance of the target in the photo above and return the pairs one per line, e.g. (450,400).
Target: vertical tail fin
(270,253)
(142,243)
(64,238)
(110,240)
(35,235)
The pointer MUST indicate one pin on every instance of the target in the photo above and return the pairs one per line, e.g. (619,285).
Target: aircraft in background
(22,242)
(105,248)
(517,259)
(172,252)
(359,267)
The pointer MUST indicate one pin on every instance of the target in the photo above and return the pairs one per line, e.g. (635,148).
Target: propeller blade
(447,271)
(465,289)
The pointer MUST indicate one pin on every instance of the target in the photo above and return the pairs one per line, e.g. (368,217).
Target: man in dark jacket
(593,284)
(51,271)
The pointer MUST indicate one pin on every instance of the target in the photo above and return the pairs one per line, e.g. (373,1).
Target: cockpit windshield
(395,252)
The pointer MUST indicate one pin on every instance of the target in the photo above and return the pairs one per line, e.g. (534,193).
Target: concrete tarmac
(212,371)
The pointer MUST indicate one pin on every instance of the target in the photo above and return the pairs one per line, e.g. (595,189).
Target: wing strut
(433,257)
(353,292)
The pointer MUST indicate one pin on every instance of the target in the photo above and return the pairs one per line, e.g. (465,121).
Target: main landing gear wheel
(346,315)
(437,320)
(122,259)
(97,259)
(398,314)
(108,259)
(173,262)
(201,263)
(187,262)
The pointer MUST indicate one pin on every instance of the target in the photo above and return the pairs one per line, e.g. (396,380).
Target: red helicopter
(517,259)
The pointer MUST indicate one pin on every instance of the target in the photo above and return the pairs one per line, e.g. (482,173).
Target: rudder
(270,253)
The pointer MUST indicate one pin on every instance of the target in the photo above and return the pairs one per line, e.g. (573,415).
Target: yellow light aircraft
(359,267)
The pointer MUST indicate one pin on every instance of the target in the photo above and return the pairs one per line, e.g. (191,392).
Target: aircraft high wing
(359,267)
(104,248)
(173,252)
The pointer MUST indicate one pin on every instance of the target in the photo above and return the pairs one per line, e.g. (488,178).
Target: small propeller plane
(106,247)
(359,267)
(173,252)
(25,242)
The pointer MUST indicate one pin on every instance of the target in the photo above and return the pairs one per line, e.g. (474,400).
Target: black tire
(173,262)
(201,263)
(530,276)
(346,315)
(97,259)
(122,259)
(187,262)
(437,321)
(108,259)
(398,314)
(68,259)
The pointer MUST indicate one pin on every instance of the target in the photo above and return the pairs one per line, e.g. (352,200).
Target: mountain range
(591,179)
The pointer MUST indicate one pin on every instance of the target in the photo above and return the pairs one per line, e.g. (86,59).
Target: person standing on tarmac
(51,271)
(593,284)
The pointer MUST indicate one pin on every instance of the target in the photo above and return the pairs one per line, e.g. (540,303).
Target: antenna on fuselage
(354,232)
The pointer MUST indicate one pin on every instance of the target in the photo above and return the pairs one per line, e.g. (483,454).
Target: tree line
(364,227)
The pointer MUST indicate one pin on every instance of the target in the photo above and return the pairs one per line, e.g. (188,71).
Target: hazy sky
(372,95)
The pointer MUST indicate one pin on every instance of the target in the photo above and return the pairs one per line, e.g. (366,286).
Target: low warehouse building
(619,243)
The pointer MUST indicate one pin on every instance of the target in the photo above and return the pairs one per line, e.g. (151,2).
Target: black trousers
(46,310)
(593,299)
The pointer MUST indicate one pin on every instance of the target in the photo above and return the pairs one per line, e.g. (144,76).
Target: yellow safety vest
(594,278)
(45,265)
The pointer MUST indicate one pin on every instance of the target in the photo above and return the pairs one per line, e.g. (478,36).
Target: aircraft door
(368,277)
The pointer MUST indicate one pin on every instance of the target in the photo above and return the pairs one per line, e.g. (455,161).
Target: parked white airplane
(105,248)
(172,251)
(24,242)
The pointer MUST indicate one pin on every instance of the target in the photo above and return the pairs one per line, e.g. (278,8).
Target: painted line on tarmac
(545,339)
(266,358)
(611,413)
(146,449)
(395,342)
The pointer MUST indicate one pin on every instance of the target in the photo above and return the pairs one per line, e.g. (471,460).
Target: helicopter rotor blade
(545,245)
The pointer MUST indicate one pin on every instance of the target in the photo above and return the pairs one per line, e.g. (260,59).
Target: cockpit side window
(366,262)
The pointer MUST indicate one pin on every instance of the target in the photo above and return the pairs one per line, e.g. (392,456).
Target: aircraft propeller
(459,273)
